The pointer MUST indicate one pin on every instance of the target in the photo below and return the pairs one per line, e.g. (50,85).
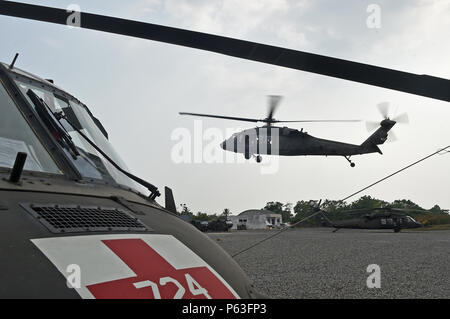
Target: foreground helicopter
(376,218)
(75,223)
(285,141)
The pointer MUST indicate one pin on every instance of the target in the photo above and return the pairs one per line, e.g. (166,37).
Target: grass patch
(432,227)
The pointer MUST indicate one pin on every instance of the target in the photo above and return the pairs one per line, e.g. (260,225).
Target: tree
(275,207)
(332,206)
(286,214)
(279,208)
(202,216)
(405,203)
(185,210)
(368,202)
(226,212)
(302,210)
(436,209)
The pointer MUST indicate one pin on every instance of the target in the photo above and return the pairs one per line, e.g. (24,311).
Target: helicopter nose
(223,145)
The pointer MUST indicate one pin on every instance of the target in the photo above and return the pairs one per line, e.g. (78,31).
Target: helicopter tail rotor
(385,109)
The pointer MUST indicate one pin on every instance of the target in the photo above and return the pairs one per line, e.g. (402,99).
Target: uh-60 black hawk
(285,141)
(75,223)
(374,218)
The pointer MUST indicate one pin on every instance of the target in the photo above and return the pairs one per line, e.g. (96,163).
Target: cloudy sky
(137,87)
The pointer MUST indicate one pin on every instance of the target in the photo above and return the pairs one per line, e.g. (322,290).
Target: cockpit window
(89,162)
(17,136)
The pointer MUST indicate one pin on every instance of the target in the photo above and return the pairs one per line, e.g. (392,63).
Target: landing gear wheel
(348,159)
(258,159)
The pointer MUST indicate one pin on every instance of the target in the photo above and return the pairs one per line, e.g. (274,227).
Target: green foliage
(302,210)
(185,211)
(286,214)
(275,207)
(201,216)
(226,212)
(405,203)
(368,202)
(433,219)
(280,208)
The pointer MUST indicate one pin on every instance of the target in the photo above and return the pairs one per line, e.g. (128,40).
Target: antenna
(14,61)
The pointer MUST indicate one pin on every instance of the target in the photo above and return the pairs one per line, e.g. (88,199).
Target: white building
(256,219)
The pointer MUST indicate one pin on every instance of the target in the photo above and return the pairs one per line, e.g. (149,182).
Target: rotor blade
(384,109)
(223,117)
(354,211)
(402,118)
(274,100)
(391,137)
(423,85)
(357,210)
(410,210)
(370,125)
(317,121)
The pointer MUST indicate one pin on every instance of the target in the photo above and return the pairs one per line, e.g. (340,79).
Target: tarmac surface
(316,263)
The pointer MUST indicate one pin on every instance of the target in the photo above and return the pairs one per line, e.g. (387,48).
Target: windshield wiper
(153,189)
(60,134)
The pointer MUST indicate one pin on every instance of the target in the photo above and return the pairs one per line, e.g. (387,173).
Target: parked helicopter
(285,141)
(375,218)
(68,203)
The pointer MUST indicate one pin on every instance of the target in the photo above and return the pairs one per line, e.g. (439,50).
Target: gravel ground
(315,263)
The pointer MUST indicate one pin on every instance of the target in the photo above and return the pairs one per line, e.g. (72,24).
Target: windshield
(89,162)
(17,136)
(410,219)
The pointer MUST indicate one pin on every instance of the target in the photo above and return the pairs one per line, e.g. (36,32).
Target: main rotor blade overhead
(223,117)
(317,121)
(381,209)
(261,120)
(424,85)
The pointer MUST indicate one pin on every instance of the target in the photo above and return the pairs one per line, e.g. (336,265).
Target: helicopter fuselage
(284,141)
(374,221)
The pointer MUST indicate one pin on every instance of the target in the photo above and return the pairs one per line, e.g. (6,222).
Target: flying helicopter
(285,141)
(74,221)
(374,218)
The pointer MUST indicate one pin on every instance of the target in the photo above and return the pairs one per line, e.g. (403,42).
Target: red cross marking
(148,265)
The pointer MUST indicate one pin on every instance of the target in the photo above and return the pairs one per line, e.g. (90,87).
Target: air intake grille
(72,218)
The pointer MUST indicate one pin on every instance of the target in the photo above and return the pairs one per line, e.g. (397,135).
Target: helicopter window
(383,221)
(410,219)
(17,136)
(90,163)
